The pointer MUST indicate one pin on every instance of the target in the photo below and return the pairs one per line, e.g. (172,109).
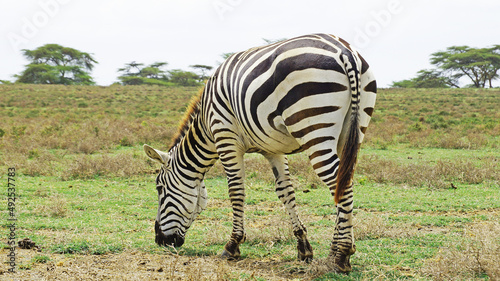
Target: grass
(396,236)
(426,193)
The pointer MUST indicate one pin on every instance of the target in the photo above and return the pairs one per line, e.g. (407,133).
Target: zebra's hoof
(305,252)
(339,269)
(337,266)
(305,258)
(228,256)
(340,261)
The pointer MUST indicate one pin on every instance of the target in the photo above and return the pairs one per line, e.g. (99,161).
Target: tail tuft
(351,144)
(348,159)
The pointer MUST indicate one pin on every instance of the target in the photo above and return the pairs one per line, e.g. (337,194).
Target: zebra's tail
(351,144)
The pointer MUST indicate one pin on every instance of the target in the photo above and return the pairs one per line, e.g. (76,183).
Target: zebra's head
(181,198)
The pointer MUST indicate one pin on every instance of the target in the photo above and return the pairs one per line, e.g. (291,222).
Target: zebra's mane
(186,121)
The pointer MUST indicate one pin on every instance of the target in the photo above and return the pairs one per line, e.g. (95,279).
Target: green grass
(378,197)
(111,215)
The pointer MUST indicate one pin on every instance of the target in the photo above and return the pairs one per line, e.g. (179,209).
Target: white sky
(396,37)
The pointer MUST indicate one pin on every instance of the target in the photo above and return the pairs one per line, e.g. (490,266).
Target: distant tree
(154,71)
(204,69)
(183,78)
(6,82)
(427,79)
(479,65)
(225,56)
(132,80)
(136,74)
(493,55)
(408,83)
(131,69)
(55,64)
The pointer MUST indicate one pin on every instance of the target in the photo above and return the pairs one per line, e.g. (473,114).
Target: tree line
(56,64)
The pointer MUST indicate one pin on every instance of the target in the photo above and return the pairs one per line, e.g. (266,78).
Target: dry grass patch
(383,133)
(57,208)
(376,225)
(271,229)
(134,265)
(477,254)
(90,166)
(439,175)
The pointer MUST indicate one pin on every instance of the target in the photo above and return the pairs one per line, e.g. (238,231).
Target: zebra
(312,94)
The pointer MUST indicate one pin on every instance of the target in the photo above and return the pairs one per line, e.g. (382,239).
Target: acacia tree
(493,55)
(131,69)
(204,69)
(183,78)
(154,71)
(136,74)
(479,65)
(55,64)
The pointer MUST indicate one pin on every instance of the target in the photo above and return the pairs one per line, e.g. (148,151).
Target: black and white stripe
(312,93)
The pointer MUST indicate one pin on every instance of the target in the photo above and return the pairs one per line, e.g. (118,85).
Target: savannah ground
(427,194)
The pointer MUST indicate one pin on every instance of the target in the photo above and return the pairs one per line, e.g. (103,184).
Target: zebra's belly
(296,130)
(278,143)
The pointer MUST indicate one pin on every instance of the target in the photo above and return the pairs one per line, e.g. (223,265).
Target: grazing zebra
(312,93)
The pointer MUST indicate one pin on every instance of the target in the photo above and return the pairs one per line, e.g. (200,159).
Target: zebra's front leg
(234,167)
(343,238)
(286,194)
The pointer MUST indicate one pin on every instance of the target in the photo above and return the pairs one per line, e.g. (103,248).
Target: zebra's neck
(195,152)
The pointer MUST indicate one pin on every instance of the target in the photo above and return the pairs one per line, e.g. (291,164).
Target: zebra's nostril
(157,228)
(161,239)
(170,240)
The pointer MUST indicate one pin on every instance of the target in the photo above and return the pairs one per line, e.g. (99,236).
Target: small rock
(26,243)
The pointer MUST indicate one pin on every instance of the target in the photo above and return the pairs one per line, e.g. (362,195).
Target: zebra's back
(284,97)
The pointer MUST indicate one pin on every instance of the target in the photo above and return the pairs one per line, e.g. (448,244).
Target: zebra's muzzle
(161,239)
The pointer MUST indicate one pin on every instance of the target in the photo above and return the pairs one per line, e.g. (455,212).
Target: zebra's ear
(156,155)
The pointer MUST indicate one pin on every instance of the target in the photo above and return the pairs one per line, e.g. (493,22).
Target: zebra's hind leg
(343,239)
(286,194)
(325,163)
